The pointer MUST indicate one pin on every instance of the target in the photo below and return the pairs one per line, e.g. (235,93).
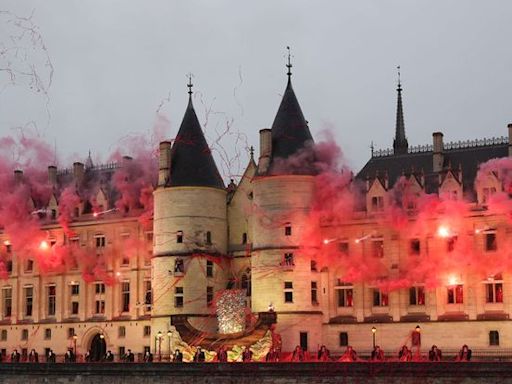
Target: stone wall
(239,373)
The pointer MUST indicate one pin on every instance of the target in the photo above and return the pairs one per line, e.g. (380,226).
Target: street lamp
(169,334)
(159,336)
(374,331)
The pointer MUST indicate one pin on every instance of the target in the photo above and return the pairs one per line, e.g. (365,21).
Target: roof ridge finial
(289,65)
(399,82)
(251,152)
(190,85)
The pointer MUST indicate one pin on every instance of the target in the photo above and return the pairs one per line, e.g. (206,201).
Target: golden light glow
(43,245)
(7,242)
(443,231)
(452,280)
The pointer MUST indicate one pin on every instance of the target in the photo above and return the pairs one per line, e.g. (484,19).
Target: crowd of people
(274,355)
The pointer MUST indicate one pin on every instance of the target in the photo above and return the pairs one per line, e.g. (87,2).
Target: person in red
(323,354)
(499,294)
(350,298)
(247,355)
(349,356)
(272,356)
(298,354)
(277,342)
(377,354)
(405,354)
(464,354)
(222,355)
(435,354)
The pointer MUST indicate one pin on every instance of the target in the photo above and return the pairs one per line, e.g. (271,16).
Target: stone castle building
(207,237)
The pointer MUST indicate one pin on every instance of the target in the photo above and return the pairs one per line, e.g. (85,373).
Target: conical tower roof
(192,163)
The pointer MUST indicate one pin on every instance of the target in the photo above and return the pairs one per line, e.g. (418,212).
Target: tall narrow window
(7,301)
(100,241)
(378,248)
(99,299)
(208,237)
(303,341)
(494,338)
(490,242)
(29,301)
(74,298)
(178,297)
(244,238)
(29,266)
(345,294)
(288,260)
(414,247)
(179,237)
(209,296)
(125,239)
(288,292)
(125,296)
(209,268)
(288,229)
(179,267)
(343,339)
(494,290)
(51,294)
(314,293)
(148,296)
(377,203)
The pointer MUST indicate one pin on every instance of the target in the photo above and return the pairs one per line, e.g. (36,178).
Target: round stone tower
(284,277)
(190,231)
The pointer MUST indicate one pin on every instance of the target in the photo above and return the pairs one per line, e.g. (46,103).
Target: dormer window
(208,237)
(244,238)
(179,237)
(288,229)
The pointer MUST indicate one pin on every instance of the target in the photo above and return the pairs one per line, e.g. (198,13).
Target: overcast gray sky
(115,61)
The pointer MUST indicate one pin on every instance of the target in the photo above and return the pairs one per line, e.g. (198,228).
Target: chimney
(265,150)
(52,175)
(509,139)
(78,172)
(164,162)
(438,157)
(18,176)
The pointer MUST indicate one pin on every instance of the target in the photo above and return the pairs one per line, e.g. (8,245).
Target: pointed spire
(400,144)
(289,65)
(251,152)
(88,163)
(192,163)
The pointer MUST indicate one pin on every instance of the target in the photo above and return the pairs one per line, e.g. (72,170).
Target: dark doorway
(98,347)
(304,341)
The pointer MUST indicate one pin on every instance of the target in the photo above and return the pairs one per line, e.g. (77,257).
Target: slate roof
(290,131)
(192,163)
(468,158)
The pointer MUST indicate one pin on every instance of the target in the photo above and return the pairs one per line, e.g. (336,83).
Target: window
(345,294)
(53,214)
(179,237)
(288,259)
(209,268)
(244,238)
(343,247)
(99,307)
(343,339)
(99,288)
(178,297)
(377,203)
(487,193)
(47,334)
(29,265)
(456,294)
(208,237)
(494,290)
(148,295)
(147,331)
(450,243)
(417,296)
(209,296)
(494,338)
(121,332)
(3,336)
(288,229)
(74,293)
(125,296)
(29,300)
(7,301)
(314,266)
(380,299)
(288,292)
(24,334)
(377,248)
(100,241)
(490,242)
(71,332)
(246,283)
(121,351)
(51,297)
(9,266)
(75,289)
(414,247)
(314,293)
(179,267)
